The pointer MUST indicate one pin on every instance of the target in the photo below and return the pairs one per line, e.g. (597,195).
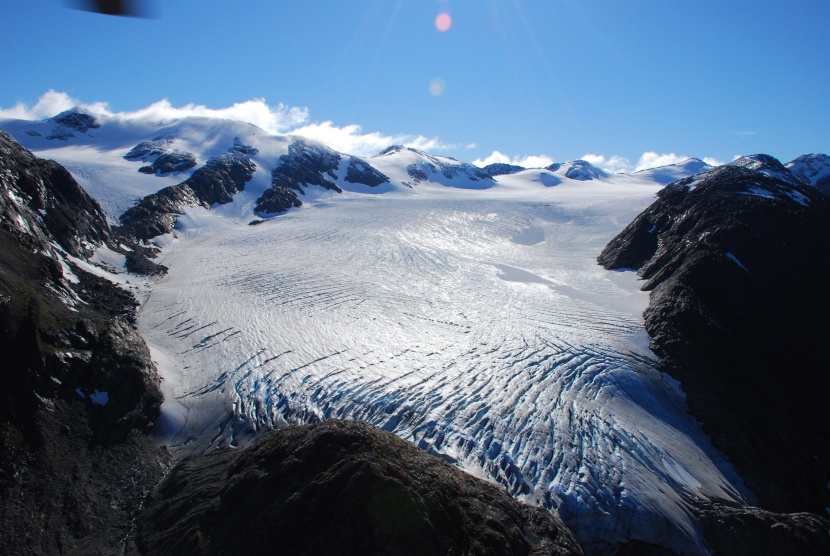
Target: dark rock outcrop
(359,171)
(174,161)
(214,183)
(747,531)
(164,160)
(305,164)
(339,487)
(77,120)
(501,169)
(79,388)
(242,148)
(769,166)
(42,200)
(737,264)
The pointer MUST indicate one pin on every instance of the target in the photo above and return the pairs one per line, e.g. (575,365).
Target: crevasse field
(476,324)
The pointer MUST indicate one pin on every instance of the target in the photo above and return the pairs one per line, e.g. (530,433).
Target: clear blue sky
(559,78)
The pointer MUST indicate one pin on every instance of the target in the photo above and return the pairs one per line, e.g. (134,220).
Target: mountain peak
(812,168)
(582,170)
(768,165)
(77,119)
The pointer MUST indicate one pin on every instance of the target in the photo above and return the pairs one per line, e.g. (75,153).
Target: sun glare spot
(443,22)
(436,88)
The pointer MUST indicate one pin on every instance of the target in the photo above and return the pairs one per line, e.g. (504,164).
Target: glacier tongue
(475,324)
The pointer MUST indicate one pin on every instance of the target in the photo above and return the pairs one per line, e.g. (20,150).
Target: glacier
(467,315)
(476,324)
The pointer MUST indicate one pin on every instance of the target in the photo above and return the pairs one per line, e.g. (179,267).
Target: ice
(466,315)
(521,361)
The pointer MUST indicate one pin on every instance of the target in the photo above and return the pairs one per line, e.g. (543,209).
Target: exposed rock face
(79,387)
(339,487)
(77,120)
(42,200)
(242,148)
(501,169)
(164,159)
(737,264)
(305,164)
(749,531)
(359,171)
(214,183)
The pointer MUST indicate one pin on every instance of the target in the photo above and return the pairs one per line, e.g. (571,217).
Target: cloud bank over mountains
(278,119)
(294,120)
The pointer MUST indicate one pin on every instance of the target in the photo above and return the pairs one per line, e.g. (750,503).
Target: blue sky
(557,78)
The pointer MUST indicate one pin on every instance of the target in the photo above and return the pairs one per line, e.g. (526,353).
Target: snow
(476,324)
(468,316)
(758,192)
(798,197)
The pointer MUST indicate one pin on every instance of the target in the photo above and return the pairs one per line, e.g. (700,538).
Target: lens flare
(443,22)
(436,87)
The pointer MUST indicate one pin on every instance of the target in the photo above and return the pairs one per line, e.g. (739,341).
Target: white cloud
(49,104)
(529,161)
(351,139)
(615,164)
(651,159)
(279,119)
(712,161)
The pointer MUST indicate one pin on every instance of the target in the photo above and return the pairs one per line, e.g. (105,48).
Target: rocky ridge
(735,260)
(339,487)
(214,183)
(80,390)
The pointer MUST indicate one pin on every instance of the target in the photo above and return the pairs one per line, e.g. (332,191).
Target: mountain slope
(736,262)
(340,487)
(79,388)
(813,169)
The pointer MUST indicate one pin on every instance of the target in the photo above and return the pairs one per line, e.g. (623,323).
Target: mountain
(463,313)
(579,170)
(80,390)
(673,172)
(767,165)
(736,260)
(500,169)
(812,168)
(422,168)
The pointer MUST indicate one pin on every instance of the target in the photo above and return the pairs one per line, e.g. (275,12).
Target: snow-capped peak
(76,119)
(673,172)
(769,166)
(813,168)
